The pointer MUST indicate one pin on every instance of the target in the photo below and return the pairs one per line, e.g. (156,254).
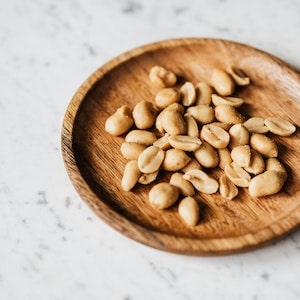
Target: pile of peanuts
(192,128)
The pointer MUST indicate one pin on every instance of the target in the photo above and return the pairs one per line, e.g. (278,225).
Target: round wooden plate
(95,165)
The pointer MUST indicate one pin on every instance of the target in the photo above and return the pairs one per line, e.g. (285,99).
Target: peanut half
(188,94)
(184,186)
(188,210)
(166,97)
(222,82)
(203,93)
(264,145)
(227,189)
(163,195)
(215,136)
(268,183)
(131,175)
(201,181)
(162,77)
(119,122)
(175,159)
(185,142)
(237,175)
(280,126)
(144,114)
(151,159)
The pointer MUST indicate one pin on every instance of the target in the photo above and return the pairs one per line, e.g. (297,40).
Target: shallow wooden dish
(94,164)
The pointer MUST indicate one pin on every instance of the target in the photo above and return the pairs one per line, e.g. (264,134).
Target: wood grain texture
(95,165)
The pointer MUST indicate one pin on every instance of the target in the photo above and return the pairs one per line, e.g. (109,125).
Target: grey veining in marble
(52,247)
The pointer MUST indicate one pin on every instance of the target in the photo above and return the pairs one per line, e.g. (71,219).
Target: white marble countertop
(52,247)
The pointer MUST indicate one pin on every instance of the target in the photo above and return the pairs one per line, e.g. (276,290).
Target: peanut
(203,93)
(201,181)
(231,101)
(257,163)
(163,195)
(203,114)
(147,178)
(237,175)
(280,126)
(131,175)
(215,136)
(162,77)
(224,157)
(228,114)
(241,155)
(207,156)
(239,135)
(268,183)
(222,82)
(185,142)
(166,97)
(163,142)
(188,94)
(175,160)
(119,122)
(264,145)
(132,151)
(191,126)
(192,165)
(227,189)
(256,125)
(142,137)
(273,163)
(238,75)
(173,122)
(144,114)
(188,210)
(151,159)
(184,186)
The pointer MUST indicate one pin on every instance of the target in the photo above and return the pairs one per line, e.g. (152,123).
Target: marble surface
(52,246)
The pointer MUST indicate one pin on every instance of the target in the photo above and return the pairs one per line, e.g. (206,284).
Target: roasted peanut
(256,125)
(201,181)
(142,137)
(241,155)
(257,163)
(173,122)
(166,97)
(151,159)
(264,145)
(192,165)
(203,114)
(131,151)
(207,156)
(119,122)
(273,163)
(224,157)
(228,114)
(184,186)
(144,114)
(268,183)
(191,126)
(175,160)
(280,126)
(188,94)
(227,188)
(131,175)
(188,210)
(163,195)
(203,93)
(238,75)
(237,175)
(147,178)
(185,142)
(224,126)
(172,107)
(163,142)
(239,135)
(231,101)
(162,77)
(222,82)
(215,136)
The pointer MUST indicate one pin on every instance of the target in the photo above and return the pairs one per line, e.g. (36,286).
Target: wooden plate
(94,164)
